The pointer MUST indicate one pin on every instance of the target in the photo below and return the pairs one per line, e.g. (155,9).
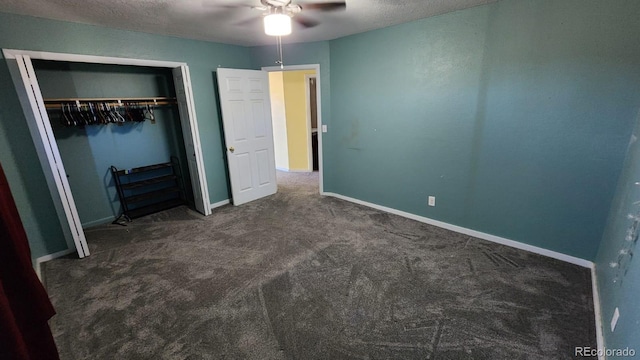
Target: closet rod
(111,99)
(159,101)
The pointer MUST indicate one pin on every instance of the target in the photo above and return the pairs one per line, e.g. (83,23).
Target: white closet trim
(43,55)
(38,122)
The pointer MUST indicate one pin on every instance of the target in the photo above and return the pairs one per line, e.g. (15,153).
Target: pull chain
(280,61)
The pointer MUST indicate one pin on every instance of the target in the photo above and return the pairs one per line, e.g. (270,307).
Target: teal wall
(17,152)
(88,152)
(514,115)
(620,286)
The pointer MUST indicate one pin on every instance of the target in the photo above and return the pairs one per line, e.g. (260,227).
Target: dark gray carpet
(299,276)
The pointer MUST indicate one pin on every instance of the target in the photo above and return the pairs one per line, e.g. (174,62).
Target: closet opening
(108,117)
(109,79)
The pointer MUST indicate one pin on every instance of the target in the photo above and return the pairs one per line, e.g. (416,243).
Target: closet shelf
(56,103)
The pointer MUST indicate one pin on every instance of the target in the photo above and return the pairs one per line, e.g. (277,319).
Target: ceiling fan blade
(217,12)
(216,5)
(305,22)
(329,6)
(211,5)
(249,21)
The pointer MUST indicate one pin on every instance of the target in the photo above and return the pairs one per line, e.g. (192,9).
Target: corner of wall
(597,310)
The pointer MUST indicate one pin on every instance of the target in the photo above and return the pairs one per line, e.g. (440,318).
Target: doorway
(312,109)
(30,95)
(297,122)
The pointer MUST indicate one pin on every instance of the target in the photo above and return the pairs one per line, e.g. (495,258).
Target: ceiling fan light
(277,24)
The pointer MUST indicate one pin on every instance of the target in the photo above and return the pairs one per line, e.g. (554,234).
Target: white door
(49,155)
(246,116)
(186,107)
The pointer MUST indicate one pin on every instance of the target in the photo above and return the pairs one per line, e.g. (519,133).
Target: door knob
(232,149)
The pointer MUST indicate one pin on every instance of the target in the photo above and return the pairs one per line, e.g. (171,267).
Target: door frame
(307,98)
(45,142)
(315,67)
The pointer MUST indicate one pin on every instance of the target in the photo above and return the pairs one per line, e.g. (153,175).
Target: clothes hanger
(65,119)
(147,113)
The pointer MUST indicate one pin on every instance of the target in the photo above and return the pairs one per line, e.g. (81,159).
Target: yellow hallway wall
(297,124)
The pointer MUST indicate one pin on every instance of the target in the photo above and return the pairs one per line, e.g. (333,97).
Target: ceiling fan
(277,14)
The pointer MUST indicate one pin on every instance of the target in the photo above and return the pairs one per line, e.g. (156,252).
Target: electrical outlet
(431,201)
(614,319)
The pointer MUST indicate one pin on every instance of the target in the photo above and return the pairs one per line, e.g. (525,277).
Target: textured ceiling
(221,21)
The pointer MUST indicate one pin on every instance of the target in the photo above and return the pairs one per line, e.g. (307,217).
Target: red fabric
(24,304)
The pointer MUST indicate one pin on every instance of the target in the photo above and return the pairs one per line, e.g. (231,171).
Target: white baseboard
(470,232)
(300,170)
(45,258)
(294,170)
(219,203)
(598,312)
(282,169)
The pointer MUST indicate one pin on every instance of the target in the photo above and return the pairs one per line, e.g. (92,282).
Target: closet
(105,116)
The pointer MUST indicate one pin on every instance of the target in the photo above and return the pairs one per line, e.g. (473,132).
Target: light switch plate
(324,128)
